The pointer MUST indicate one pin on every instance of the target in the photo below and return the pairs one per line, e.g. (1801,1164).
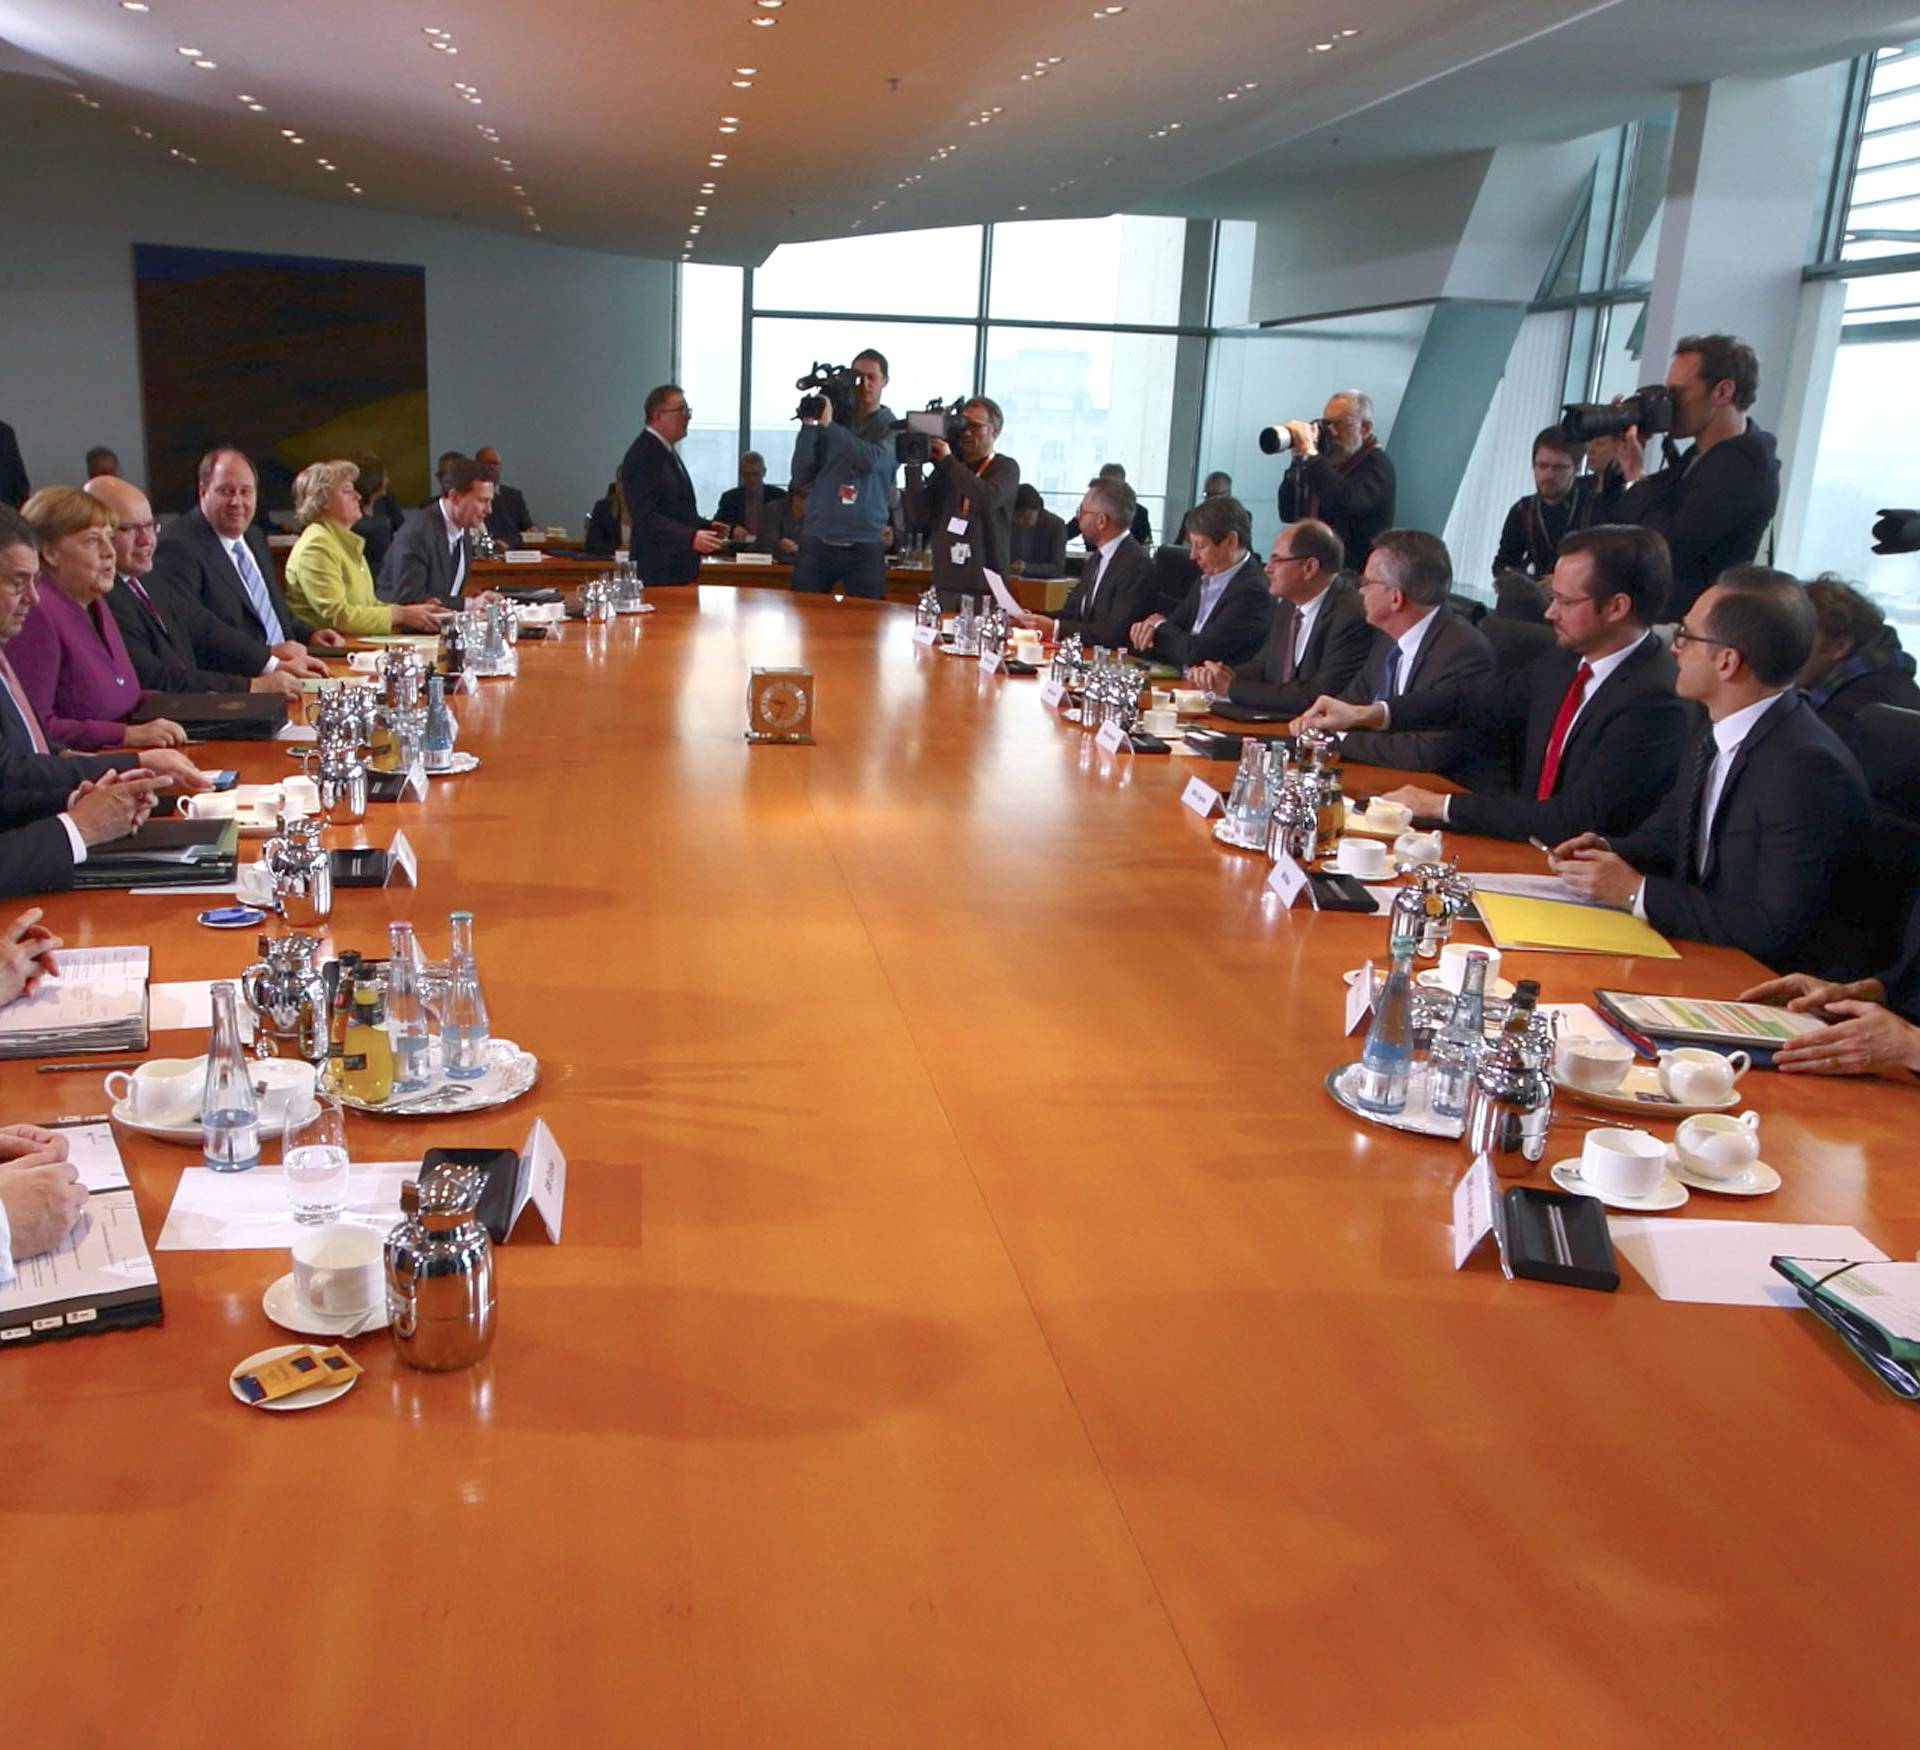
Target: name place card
(1289,880)
(402,862)
(1200,796)
(1053,694)
(1112,738)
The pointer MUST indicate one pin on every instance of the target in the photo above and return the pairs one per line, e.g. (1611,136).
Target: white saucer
(461,762)
(1752,1181)
(312,1398)
(285,1308)
(1567,1175)
(189,1132)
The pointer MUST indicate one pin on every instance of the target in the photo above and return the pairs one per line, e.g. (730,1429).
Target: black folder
(217,716)
(164,853)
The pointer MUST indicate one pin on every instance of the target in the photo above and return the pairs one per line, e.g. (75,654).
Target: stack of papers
(97,1001)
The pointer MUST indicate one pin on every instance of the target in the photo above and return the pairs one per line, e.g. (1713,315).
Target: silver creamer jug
(440,1289)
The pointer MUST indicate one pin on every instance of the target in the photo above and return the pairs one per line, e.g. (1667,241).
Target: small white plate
(1752,1181)
(281,1304)
(1567,1175)
(461,762)
(310,1399)
(1641,1092)
(187,1134)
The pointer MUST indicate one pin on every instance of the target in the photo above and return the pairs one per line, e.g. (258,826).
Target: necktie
(19,696)
(459,550)
(1562,722)
(1290,666)
(1090,581)
(1704,752)
(145,600)
(257,597)
(1389,682)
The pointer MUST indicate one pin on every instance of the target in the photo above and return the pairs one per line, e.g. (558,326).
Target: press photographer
(966,500)
(1713,503)
(1339,474)
(844,456)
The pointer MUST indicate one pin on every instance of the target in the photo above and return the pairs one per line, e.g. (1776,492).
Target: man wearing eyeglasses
(669,535)
(1595,722)
(1340,474)
(1319,640)
(1746,847)
(968,501)
(848,470)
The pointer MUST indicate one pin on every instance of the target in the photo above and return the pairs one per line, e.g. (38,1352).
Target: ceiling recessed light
(729,118)
(189,53)
(1322,48)
(729,130)
(693,230)
(741,84)
(770,5)
(258,108)
(430,30)
(1019,209)
(296,140)
(208,66)
(763,21)
(1349,33)
(287,133)
(699,212)
(746,72)
(446,48)
(133,5)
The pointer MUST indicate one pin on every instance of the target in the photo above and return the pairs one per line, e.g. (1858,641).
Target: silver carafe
(1509,1109)
(301,871)
(440,1288)
(340,775)
(286,988)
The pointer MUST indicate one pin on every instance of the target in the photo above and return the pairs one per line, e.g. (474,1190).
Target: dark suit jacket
(603,528)
(190,560)
(1620,758)
(661,505)
(420,565)
(733,501)
(1122,595)
(14,486)
(1451,652)
(35,859)
(1354,498)
(1234,631)
(160,644)
(509,515)
(34,785)
(1337,650)
(1793,808)
(1041,551)
(936,496)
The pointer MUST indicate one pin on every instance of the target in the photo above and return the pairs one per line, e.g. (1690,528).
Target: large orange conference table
(974,1325)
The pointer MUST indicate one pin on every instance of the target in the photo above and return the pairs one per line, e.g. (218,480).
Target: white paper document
(105,1254)
(1529,887)
(91,986)
(243,1212)
(1000,591)
(95,1156)
(1726,1263)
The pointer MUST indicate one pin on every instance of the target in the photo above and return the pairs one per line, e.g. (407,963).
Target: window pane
(1118,269)
(710,375)
(1074,400)
(1872,424)
(916,273)
(926,359)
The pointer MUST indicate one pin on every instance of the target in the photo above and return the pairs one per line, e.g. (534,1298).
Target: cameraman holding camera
(966,500)
(848,467)
(1714,503)
(1339,475)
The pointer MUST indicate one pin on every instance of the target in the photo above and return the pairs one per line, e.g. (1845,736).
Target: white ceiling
(606,112)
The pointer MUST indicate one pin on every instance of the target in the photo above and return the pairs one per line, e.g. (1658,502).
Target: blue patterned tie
(257,596)
(1388,684)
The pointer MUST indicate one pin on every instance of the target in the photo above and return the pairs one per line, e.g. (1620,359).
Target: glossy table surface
(974,1326)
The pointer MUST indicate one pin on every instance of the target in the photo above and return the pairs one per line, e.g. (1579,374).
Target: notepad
(1518,923)
(96,1001)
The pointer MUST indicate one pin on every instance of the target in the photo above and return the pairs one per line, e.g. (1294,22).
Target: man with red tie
(1595,721)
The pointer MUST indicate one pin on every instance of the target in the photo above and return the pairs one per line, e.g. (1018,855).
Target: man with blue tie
(1226,615)
(1419,644)
(216,556)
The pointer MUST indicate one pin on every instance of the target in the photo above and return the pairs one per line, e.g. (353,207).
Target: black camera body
(1650,408)
(828,386)
(913,436)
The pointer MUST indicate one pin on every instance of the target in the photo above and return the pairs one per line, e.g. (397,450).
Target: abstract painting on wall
(295,359)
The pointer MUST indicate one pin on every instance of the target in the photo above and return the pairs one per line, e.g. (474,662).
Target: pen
(43,1069)
(1540,845)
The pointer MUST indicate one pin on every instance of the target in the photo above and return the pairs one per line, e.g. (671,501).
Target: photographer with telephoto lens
(1339,474)
(1713,503)
(844,456)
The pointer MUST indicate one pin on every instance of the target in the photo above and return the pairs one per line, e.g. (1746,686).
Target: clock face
(783,705)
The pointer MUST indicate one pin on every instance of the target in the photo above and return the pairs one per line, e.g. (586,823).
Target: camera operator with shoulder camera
(846,461)
(1713,503)
(1339,474)
(966,500)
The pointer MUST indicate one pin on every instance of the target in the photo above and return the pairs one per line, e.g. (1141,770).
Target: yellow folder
(1514,922)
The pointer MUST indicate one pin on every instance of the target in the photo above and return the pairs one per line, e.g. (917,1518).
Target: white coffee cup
(1453,964)
(1717,1145)
(164,1090)
(281,1085)
(1189,701)
(1701,1078)
(300,795)
(210,805)
(337,1270)
(1364,858)
(1162,698)
(1162,720)
(1623,1163)
(1594,1066)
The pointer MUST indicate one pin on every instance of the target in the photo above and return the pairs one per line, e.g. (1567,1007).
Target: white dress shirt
(456,545)
(7,1271)
(1303,618)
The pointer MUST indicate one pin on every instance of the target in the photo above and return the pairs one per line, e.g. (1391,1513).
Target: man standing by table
(969,494)
(847,469)
(669,539)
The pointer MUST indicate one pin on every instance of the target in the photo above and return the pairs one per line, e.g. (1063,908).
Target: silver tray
(1414,1118)
(511,1072)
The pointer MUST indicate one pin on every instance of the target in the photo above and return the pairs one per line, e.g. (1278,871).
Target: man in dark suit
(1116,585)
(14,485)
(1320,639)
(428,558)
(1340,474)
(1746,848)
(1598,724)
(215,557)
(741,506)
(1224,617)
(1141,526)
(669,539)
(1039,537)
(1421,644)
(157,637)
(509,518)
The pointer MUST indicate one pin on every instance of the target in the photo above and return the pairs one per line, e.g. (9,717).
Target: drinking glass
(313,1157)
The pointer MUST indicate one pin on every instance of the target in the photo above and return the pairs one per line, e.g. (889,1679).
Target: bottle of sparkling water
(463,1012)
(1386,1060)
(436,746)
(1456,1048)
(406,1012)
(229,1114)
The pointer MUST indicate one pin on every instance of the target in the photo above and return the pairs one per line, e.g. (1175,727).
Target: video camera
(829,386)
(1277,440)
(1649,408)
(913,436)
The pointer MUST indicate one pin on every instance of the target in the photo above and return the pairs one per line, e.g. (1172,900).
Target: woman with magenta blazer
(69,655)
